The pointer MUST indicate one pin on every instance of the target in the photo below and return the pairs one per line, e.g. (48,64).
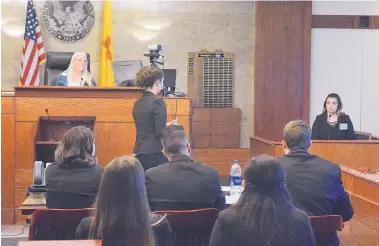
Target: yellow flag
(106,57)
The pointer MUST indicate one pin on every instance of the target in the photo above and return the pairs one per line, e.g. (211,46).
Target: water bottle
(235,178)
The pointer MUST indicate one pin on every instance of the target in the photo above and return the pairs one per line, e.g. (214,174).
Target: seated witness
(314,183)
(264,214)
(122,214)
(182,183)
(72,181)
(333,124)
(76,73)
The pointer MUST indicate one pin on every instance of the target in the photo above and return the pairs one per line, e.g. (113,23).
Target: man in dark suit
(181,183)
(314,183)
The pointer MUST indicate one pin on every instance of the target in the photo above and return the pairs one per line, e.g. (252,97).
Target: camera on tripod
(155,58)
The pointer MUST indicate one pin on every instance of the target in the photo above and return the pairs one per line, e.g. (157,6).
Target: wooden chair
(56,224)
(191,227)
(325,228)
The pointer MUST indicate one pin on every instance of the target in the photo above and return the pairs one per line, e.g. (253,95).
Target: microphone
(329,115)
(52,131)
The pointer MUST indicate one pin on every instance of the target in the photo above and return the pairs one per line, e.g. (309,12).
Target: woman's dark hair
(122,210)
(339,102)
(147,76)
(76,148)
(265,203)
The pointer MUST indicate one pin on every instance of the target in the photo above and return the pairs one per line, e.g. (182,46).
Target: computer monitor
(169,80)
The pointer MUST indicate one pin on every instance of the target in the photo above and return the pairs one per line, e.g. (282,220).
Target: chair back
(57,62)
(325,228)
(56,224)
(191,227)
(362,136)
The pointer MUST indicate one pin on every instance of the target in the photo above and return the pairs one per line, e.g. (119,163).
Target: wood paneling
(114,140)
(225,141)
(7,160)
(7,105)
(201,114)
(7,216)
(202,141)
(23,179)
(335,21)
(374,21)
(282,65)
(216,128)
(344,21)
(81,92)
(201,128)
(25,132)
(363,235)
(352,154)
(221,159)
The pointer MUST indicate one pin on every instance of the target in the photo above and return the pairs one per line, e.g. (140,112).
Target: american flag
(33,53)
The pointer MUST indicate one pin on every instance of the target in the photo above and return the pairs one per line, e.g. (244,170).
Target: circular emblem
(68,21)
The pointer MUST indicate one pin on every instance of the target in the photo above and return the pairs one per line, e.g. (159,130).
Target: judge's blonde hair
(87,77)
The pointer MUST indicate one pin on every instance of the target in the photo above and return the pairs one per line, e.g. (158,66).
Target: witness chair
(57,62)
(362,136)
(325,227)
(191,227)
(56,224)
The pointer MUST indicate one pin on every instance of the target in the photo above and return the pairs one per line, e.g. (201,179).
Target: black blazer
(150,117)
(182,184)
(321,130)
(315,185)
(230,231)
(74,187)
(159,224)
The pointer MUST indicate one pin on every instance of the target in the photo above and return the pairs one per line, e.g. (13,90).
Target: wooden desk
(353,154)
(114,128)
(62,243)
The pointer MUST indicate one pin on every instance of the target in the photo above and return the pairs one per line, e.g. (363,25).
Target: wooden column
(282,65)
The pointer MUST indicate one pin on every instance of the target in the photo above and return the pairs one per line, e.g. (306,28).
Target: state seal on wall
(68,21)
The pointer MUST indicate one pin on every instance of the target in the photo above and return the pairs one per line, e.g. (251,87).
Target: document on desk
(35,199)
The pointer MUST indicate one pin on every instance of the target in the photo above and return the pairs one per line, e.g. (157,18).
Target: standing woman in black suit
(333,124)
(150,117)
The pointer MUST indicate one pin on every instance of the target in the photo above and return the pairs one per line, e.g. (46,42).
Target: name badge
(343,126)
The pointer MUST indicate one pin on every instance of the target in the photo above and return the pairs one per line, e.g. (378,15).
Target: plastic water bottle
(235,178)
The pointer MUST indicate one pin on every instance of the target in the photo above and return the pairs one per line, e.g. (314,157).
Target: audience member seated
(264,214)
(76,73)
(122,214)
(182,184)
(72,181)
(314,183)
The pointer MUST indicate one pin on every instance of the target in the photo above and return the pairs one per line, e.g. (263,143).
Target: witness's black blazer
(315,186)
(73,187)
(182,184)
(150,117)
(343,130)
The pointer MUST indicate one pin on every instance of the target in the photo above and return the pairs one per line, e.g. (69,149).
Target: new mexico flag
(106,57)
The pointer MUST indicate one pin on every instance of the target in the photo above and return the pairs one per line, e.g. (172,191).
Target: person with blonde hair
(73,180)
(77,73)
(122,214)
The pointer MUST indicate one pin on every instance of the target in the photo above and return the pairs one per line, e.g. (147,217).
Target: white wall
(345,7)
(345,61)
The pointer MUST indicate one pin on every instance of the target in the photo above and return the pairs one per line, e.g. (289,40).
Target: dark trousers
(151,160)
